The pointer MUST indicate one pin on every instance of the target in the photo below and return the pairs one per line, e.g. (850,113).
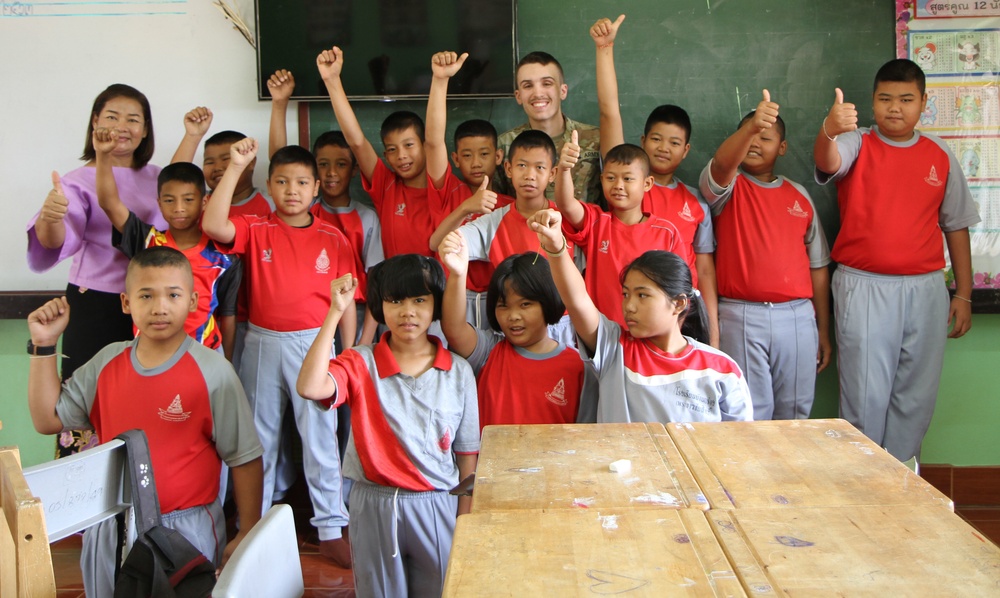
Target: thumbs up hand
(444,65)
(570,154)
(483,201)
(842,118)
(604,31)
(55,206)
(766,113)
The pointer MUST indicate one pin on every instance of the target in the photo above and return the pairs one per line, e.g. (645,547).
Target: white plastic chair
(266,563)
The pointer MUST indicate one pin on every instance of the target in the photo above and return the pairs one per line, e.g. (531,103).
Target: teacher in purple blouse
(72,225)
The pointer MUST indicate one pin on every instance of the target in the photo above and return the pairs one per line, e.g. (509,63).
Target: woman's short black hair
(403,276)
(529,276)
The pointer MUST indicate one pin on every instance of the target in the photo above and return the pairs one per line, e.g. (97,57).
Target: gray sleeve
(486,340)
(467,434)
(233,430)
(587,413)
(816,246)
(372,251)
(715,195)
(849,146)
(605,347)
(704,235)
(734,401)
(958,210)
(479,234)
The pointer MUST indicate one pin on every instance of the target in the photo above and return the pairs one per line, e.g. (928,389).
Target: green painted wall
(964,430)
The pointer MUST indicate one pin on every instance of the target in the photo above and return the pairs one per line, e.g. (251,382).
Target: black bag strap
(143,486)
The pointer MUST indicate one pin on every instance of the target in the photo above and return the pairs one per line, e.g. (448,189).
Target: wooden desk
(585,552)
(877,551)
(798,463)
(566,467)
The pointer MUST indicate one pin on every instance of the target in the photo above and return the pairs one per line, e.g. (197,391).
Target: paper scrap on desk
(621,466)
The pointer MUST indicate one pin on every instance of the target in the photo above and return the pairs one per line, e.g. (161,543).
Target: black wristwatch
(40,351)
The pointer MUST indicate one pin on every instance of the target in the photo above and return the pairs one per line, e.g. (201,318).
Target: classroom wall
(195,58)
(54,66)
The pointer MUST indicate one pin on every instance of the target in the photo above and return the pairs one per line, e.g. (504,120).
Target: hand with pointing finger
(55,206)
(766,114)
(842,118)
(604,31)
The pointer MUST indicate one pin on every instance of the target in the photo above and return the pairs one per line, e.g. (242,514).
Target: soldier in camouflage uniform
(540,91)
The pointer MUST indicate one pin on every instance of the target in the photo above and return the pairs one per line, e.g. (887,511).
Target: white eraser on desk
(621,466)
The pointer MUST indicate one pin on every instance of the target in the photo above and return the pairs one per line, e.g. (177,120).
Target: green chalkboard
(712,57)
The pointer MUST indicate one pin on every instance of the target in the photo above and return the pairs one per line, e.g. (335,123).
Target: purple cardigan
(96,263)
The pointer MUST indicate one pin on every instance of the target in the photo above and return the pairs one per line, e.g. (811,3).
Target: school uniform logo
(266,256)
(685,214)
(605,245)
(932,178)
(444,443)
(323,263)
(175,412)
(558,394)
(401,209)
(797,211)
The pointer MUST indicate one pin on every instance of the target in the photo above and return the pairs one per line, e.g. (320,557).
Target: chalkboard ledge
(16,305)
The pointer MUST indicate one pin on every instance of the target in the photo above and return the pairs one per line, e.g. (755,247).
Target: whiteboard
(59,54)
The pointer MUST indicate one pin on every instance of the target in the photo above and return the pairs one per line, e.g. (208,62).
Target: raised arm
(603,33)
(281,85)
(462,337)
(842,118)
(566,201)
(330,64)
(196,124)
(582,311)
(215,221)
(107,189)
(483,201)
(444,65)
(45,325)
(314,382)
(348,326)
(734,149)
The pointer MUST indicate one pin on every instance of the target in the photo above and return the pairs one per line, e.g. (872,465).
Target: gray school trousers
(204,527)
(775,345)
(400,540)
(891,333)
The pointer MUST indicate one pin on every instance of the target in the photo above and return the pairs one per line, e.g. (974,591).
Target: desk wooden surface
(877,551)
(566,467)
(797,463)
(637,553)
